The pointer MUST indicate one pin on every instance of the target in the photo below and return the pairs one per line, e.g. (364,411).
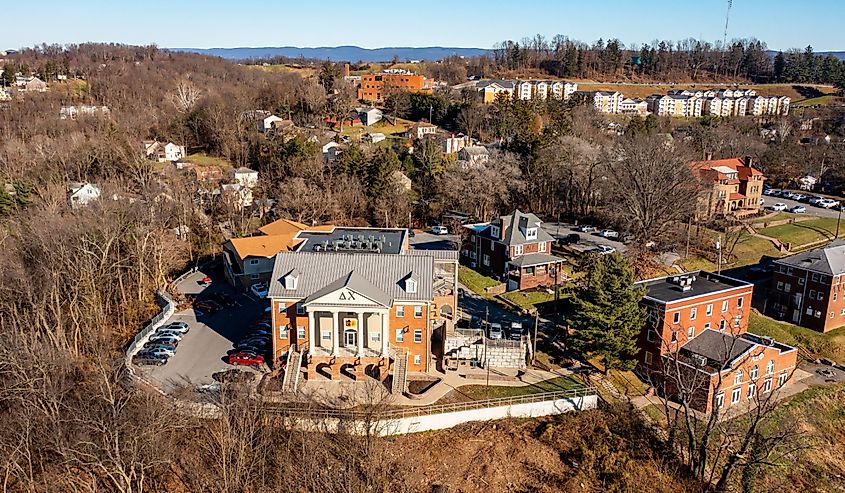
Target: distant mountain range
(340,53)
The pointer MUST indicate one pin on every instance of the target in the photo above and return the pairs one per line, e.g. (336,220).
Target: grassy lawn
(480,392)
(203,159)
(780,216)
(475,281)
(827,99)
(383,126)
(829,345)
(528,299)
(749,249)
(804,232)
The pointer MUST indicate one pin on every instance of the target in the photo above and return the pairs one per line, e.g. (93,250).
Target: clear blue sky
(466,23)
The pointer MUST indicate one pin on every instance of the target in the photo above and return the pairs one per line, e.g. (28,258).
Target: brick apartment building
(730,187)
(699,322)
(514,248)
(377,87)
(808,289)
(352,307)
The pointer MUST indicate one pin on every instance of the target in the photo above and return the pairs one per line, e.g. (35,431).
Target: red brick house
(729,187)
(698,324)
(514,248)
(808,289)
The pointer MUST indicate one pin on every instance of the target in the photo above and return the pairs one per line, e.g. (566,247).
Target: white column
(313,332)
(385,331)
(335,331)
(359,324)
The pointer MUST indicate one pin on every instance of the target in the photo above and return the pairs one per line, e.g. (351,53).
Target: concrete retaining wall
(500,354)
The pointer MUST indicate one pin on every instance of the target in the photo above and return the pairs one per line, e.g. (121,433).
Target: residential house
(163,152)
(83,193)
(697,331)
(514,248)
(369,115)
(236,195)
(5,94)
(730,187)
(250,260)
(373,137)
(206,173)
(272,123)
(808,289)
(378,87)
(30,84)
(420,130)
(245,177)
(474,155)
(454,143)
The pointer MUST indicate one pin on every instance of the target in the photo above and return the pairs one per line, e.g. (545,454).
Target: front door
(351,338)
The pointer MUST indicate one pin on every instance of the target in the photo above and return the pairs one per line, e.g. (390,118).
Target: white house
(454,143)
(374,137)
(245,177)
(162,152)
(475,155)
(236,195)
(81,194)
(74,112)
(421,129)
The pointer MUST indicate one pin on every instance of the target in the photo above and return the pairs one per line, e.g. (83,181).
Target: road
(588,240)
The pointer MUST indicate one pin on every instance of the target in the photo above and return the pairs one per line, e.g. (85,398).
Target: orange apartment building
(808,289)
(350,312)
(698,322)
(730,187)
(377,87)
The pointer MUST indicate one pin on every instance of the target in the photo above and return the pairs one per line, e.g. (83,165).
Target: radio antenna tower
(727,19)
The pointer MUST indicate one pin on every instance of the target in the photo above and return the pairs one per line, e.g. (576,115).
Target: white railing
(407,412)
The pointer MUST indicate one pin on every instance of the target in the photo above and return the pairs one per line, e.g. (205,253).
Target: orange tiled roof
(264,245)
(281,227)
(737,196)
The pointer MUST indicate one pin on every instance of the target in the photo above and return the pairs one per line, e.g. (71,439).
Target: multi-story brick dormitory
(346,311)
(808,289)
(698,322)
(514,248)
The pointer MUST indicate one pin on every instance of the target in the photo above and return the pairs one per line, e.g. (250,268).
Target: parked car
(259,333)
(205,281)
(798,196)
(154,353)
(585,228)
(496,331)
(516,331)
(475,323)
(798,209)
(148,359)
(827,203)
(246,358)
(780,206)
(608,233)
(165,332)
(180,327)
(571,239)
(168,349)
(439,230)
(163,339)
(259,289)
(208,305)
(605,249)
(772,192)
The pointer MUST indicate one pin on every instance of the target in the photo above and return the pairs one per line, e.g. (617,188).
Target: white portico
(349,317)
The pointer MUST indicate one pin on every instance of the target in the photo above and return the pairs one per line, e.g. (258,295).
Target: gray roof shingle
(828,260)
(513,235)
(535,259)
(720,349)
(376,276)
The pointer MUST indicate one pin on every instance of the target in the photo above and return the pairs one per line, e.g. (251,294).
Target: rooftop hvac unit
(699,359)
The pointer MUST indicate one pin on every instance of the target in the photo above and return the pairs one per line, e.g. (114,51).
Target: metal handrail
(433,408)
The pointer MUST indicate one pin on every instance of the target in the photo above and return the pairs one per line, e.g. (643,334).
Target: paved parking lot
(811,209)
(588,240)
(427,241)
(204,348)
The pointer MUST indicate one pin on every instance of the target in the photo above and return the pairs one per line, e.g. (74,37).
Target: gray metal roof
(384,240)
(513,235)
(535,259)
(720,349)
(828,260)
(378,276)
(437,254)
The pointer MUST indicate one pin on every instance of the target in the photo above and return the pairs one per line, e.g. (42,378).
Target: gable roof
(378,276)
(514,236)
(827,260)
(263,245)
(354,282)
(282,226)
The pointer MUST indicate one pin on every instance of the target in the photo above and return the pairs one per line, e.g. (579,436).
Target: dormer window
(494,231)
(291,280)
(410,285)
(531,234)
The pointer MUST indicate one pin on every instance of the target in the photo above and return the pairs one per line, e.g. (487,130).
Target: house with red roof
(730,187)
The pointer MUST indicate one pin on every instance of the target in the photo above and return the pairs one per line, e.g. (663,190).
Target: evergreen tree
(383,164)
(353,161)
(779,67)
(7,202)
(607,312)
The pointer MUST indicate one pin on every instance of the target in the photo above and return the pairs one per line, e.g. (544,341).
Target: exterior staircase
(400,372)
(292,373)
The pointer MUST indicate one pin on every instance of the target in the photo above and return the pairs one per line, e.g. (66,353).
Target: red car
(246,358)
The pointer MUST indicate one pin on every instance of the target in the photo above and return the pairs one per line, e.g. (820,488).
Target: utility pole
(484,335)
(689,226)
(536,324)
(838,219)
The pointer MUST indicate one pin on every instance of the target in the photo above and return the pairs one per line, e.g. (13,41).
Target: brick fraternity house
(808,289)
(514,248)
(730,187)
(353,314)
(698,325)
(377,87)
